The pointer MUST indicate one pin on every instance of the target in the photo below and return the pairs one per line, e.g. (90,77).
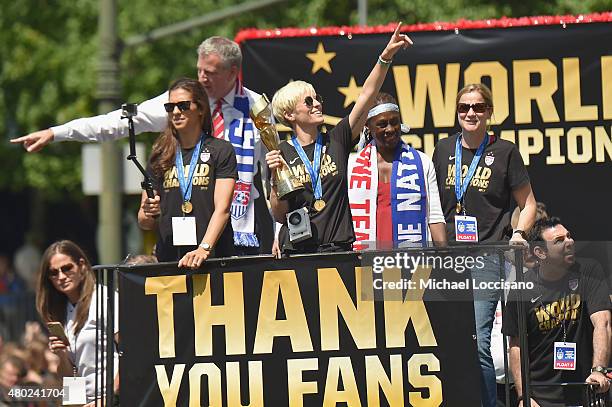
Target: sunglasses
(476,107)
(184,105)
(68,270)
(308,100)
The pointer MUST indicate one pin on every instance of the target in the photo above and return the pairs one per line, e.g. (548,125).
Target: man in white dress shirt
(219,63)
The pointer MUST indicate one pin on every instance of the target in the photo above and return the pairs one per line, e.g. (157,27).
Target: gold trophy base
(287,185)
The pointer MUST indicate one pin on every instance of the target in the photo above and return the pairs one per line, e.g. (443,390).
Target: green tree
(48,58)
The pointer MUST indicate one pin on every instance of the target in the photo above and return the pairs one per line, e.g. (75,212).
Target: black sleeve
(598,292)
(517,172)
(342,134)
(226,162)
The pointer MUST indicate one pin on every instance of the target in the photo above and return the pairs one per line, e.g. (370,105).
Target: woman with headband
(392,187)
(320,160)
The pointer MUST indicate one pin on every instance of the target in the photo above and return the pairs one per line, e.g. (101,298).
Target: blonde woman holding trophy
(318,218)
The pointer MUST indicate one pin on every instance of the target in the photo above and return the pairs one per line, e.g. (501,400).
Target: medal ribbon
(313,169)
(461,188)
(185,183)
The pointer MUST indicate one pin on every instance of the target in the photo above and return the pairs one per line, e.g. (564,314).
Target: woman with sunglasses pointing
(320,160)
(479,175)
(194,176)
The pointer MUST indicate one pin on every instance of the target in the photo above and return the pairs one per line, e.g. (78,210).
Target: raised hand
(396,42)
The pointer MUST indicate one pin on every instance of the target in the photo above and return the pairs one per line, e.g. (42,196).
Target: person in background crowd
(27,259)
(218,66)
(569,304)
(478,177)
(26,370)
(10,282)
(67,294)
(322,158)
(13,370)
(192,207)
(375,185)
(12,287)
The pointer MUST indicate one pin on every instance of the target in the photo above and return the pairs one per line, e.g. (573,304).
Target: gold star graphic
(320,59)
(350,92)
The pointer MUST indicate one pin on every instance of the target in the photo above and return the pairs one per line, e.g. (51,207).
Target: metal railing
(107,276)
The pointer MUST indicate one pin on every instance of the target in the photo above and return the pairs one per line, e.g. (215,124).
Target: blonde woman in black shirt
(321,160)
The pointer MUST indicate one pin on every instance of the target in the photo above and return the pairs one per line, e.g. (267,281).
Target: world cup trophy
(261,114)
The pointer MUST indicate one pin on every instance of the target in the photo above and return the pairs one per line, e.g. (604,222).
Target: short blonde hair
(286,98)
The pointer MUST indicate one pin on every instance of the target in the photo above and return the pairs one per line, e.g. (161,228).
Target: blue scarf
(241,133)
(408,198)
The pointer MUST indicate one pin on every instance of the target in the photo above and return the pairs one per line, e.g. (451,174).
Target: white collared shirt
(151,117)
(82,351)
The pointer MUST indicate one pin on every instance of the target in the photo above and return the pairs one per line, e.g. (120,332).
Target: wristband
(520,232)
(383,61)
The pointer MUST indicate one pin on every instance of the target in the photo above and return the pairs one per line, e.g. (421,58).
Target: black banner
(552,90)
(294,332)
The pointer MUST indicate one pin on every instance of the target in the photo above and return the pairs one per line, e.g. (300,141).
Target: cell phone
(57,329)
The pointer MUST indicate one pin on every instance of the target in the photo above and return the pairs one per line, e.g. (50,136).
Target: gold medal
(187,207)
(319,204)
(458,207)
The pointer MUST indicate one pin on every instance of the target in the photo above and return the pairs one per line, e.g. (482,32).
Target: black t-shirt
(217,160)
(334,223)
(570,301)
(489,196)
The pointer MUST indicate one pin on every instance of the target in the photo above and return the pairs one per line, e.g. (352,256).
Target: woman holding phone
(194,175)
(65,298)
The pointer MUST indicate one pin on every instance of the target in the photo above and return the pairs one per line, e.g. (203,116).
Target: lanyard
(185,183)
(461,188)
(313,169)
(75,371)
(76,337)
(560,320)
